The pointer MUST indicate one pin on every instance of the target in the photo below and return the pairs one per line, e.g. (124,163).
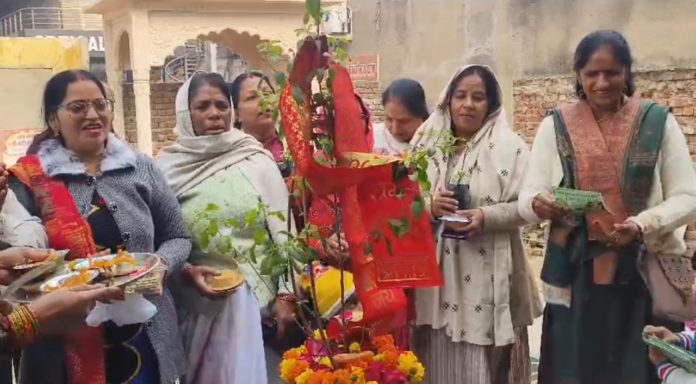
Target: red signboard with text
(365,67)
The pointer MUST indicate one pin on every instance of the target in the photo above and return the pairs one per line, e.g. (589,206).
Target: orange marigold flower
(321,377)
(383,343)
(391,358)
(362,363)
(341,376)
(295,353)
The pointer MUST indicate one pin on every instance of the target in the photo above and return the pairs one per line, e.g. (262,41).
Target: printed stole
(600,156)
(66,229)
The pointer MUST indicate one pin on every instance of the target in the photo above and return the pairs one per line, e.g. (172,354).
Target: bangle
(23,326)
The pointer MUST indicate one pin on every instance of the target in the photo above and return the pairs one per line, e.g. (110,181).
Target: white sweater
(17,227)
(672,201)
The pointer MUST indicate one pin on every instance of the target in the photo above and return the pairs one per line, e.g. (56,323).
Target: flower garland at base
(377,362)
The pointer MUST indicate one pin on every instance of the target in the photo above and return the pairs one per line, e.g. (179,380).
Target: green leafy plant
(288,258)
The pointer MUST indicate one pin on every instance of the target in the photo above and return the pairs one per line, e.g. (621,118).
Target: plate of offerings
(53,257)
(228,280)
(115,270)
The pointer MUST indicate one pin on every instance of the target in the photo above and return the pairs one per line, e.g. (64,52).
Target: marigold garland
(388,366)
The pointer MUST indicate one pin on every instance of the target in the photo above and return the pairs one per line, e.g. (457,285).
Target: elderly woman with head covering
(211,164)
(467,329)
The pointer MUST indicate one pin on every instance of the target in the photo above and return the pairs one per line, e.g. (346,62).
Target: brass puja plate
(227,280)
(135,266)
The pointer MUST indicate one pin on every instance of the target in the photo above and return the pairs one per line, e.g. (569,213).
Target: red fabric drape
(368,194)
(66,229)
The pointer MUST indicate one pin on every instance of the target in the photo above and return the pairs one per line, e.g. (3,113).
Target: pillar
(143,120)
(114,75)
(140,57)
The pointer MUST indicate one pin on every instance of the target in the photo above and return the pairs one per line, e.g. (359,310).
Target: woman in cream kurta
(468,326)
(230,169)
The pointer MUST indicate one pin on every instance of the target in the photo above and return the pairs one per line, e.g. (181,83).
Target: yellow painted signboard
(26,64)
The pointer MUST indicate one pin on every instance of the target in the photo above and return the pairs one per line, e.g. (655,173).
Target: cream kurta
(488,290)
(673,192)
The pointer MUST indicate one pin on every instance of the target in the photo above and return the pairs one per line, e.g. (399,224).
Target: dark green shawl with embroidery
(568,242)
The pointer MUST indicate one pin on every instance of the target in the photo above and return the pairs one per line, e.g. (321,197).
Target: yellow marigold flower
(325,361)
(378,357)
(371,382)
(357,375)
(317,334)
(304,377)
(411,367)
(354,347)
(291,368)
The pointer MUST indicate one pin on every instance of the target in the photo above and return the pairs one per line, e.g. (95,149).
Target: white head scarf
(493,151)
(192,159)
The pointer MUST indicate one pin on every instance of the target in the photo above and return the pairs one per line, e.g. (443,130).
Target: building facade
(55,18)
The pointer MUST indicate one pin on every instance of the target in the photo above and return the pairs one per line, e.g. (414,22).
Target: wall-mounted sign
(365,67)
(14,144)
(95,39)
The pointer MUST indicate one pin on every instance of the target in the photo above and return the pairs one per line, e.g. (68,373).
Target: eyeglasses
(80,108)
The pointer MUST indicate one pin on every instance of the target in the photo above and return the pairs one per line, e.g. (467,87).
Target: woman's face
(399,120)
(210,111)
(469,105)
(254,121)
(603,79)
(84,118)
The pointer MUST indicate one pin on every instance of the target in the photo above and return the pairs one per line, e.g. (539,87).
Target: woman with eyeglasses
(93,193)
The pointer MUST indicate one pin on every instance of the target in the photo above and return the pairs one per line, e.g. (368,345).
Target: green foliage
(339,49)
(417,206)
(399,227)
(313,8)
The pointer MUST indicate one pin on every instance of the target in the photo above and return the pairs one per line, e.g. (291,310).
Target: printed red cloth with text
(391,247)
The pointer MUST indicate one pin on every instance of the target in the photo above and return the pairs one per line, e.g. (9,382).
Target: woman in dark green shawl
(613,143)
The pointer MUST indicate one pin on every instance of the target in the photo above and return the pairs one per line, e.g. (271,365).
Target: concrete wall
(428,40)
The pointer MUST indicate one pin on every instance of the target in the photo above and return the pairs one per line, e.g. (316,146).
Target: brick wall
(163,115)
(371,93)
(533,97)
(162,98)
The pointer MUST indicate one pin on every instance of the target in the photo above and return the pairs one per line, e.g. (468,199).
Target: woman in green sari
(620,146)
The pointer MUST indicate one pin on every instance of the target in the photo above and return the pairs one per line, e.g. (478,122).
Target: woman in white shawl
(467,328)
(212,164)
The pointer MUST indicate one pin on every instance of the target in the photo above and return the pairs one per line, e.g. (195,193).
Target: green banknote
(677,356)
(579,201)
